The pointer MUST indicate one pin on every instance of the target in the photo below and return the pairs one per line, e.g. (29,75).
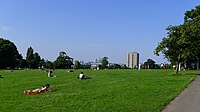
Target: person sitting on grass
(82,76)
(44,88)
(50,73)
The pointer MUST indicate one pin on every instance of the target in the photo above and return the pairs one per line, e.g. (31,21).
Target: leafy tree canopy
(104,62)
(63,61)
(182,42)
(149,64)
(77,65)
(33,59)
(9,55)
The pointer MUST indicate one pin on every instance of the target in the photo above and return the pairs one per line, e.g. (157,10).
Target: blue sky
(89,29)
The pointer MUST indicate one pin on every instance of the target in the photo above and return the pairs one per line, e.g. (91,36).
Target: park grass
(106,91)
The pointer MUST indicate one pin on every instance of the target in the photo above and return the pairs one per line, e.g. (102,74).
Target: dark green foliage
(23,64)
(125,67)
(63,61)
(36,60)
(157,66)
(104,63)
(192,14)
(9,56)
(182,42)
(85,66)
(42,62)
(170,66)
(33,59)
(150,64)
(29,57)
(115,66)
(49,65)
(77,65)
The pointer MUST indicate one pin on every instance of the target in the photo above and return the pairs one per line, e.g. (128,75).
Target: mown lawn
(106,91)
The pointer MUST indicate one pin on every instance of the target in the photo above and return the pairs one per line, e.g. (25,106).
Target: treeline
(10,58)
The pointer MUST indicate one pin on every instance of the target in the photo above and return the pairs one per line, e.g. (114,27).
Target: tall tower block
(132,59)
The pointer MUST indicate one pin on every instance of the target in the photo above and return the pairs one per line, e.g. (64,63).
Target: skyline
(90,29)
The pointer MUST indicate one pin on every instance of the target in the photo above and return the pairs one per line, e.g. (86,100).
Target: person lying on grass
(44,88)
(82,76)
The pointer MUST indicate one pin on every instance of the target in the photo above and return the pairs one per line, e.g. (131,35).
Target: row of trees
(33,60)
(10,58)
(182,41)
(149,64)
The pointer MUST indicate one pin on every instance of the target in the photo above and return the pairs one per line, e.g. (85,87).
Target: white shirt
(40,89)
(81,76)
(43,88)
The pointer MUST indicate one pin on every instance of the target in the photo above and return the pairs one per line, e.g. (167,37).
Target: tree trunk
(177,69)
(179,58)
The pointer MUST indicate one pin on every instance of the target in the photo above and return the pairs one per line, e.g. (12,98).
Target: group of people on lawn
(81,76)
(45,88)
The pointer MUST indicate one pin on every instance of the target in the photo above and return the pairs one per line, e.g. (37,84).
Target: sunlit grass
(107,90)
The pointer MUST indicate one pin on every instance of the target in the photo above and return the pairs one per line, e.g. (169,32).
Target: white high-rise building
(132,60)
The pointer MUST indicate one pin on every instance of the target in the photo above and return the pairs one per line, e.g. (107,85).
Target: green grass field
(106,91)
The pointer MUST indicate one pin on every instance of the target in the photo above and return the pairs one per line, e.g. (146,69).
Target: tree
(157,66)
(85,66)
(125,67)
(63,61)
(104,62)
(42,62)
(173,46)
(182,42)
(192,14)
(150,64)
(36,60)
(191,31)
(33,59)
(77,65)
(22,62)
(49,64)
(29,57)
(9,55)
(115,66)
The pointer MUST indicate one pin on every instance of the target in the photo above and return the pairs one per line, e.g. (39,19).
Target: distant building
(132,60)
(96,65)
